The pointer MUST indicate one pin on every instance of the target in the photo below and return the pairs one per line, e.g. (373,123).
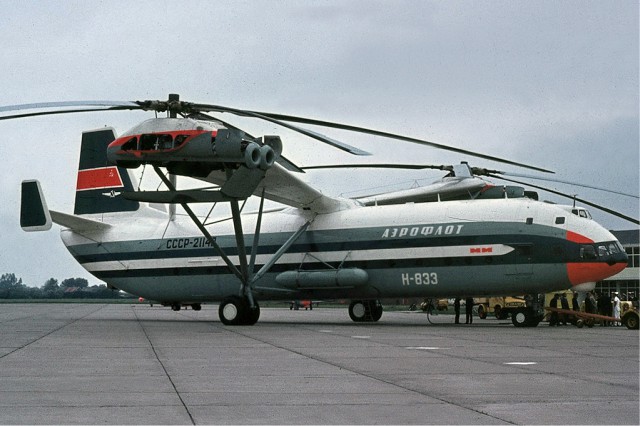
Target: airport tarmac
(136,364)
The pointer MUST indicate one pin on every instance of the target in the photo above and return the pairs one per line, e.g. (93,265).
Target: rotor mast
(173,97)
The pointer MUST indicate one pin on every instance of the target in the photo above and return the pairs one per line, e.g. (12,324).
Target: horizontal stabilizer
(77,223)
(34,214)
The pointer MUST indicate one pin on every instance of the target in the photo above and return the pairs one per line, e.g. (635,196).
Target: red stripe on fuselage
(101,178)
(577,238)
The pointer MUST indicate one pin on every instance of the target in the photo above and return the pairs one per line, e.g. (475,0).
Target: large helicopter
(455,237)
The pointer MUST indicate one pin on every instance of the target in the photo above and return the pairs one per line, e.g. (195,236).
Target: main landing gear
(241,309)
(365,310)
(526,317)
(236,310)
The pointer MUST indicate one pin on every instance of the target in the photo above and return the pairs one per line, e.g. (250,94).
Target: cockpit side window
(587,252)
(130,144)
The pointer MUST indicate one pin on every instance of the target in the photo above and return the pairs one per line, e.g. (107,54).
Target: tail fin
(34,214)
(100,184)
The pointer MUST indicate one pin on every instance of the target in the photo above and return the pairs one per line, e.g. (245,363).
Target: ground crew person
(553,320)
(565,305)
(456,308)
(469,310)
(575,306)
(590,304)
(616,308)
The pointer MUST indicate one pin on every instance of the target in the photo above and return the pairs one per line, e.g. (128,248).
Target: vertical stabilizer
(100,184)
(34,214)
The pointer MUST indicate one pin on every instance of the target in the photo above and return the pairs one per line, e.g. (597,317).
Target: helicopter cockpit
(578,211)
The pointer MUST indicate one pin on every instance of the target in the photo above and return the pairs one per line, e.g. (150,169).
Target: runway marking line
(424,348)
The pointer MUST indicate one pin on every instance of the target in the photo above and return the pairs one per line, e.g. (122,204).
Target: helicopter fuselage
(445,249)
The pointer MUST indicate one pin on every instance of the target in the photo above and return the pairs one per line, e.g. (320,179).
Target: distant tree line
(12,287)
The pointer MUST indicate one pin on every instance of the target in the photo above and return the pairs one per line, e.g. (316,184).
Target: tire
(631,320)
(252,315)
(357,311)
(522,317)
(233,310)
(535,320)
(500,313)
(482,312)
(196,306)
(376,310)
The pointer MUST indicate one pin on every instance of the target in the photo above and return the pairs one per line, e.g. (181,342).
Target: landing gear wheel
(232,310)
(253,314)
(376,310)
(235,310)
(522,318)
(535,320)
(365,310)
(357,311)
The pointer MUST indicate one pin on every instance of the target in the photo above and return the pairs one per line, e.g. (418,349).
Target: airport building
(627,282)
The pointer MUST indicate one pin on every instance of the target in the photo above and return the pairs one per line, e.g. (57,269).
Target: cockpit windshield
(605,249)
(581,212)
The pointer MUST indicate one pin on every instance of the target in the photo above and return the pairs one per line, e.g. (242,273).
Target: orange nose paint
(579,273)
(577,238)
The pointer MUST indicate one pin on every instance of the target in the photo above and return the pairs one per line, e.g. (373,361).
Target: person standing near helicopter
(469,310)
(616,308)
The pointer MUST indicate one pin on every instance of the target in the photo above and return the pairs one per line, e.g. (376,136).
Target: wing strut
(200,226)
(241,309)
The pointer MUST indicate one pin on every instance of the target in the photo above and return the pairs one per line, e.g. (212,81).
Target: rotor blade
(379,166)
(348,127)
(110,106)
(589,203)
(41,105)
(480,171)
(288,164)
(333,142)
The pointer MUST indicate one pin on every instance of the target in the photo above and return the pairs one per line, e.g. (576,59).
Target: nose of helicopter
(598,269)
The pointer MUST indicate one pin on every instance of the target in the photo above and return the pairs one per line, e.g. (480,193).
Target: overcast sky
(548,83)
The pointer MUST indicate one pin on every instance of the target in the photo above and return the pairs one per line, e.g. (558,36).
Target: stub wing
(282,186)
